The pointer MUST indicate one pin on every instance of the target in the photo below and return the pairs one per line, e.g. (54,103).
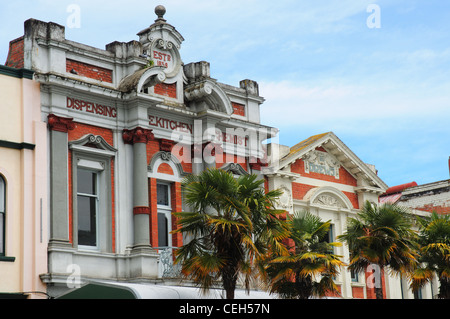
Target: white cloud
(350,107)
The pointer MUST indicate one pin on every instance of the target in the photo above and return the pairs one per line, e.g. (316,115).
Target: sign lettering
(231,138)
(170,124)
(90,107)
(162,59)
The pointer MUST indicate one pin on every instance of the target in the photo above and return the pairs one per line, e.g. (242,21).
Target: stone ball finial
(160,12)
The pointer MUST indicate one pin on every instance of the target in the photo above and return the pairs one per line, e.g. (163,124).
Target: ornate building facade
(323,176)
(124,125)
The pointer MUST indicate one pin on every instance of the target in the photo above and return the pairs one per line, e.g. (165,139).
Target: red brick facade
(89,71)
(165,168)
(152,199)
(177,239)
(16,54)
(239,109)
(345,178)
(358,292)
(168,90)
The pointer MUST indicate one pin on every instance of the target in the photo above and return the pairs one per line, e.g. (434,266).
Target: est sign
(162,58)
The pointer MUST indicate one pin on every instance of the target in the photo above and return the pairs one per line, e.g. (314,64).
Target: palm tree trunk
(444,289)
(229,279)
(230,293)
(228,247)
(379,287)
(303,286)
(379,293)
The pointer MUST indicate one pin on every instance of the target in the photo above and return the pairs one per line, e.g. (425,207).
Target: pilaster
(139,137)
(59,216)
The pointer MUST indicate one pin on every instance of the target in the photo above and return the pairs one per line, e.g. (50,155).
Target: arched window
(2,215)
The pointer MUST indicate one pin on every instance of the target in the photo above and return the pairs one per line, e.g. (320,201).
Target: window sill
(7,259)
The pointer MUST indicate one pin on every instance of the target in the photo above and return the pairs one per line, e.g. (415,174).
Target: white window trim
(97,204)
(167,211)
(100,165)
(99,160)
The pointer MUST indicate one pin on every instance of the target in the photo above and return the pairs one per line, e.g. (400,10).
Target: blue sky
(385,92)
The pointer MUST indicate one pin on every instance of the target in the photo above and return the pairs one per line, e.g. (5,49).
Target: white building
(323,176)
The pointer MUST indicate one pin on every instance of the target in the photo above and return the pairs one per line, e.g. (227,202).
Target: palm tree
(309,268)
(434,241)
(382,236)
(232,225)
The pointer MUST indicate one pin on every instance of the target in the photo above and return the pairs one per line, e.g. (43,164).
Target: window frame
(97,206)
(100,161)
(354,276)
(3,256)
(165,210)
(3,213)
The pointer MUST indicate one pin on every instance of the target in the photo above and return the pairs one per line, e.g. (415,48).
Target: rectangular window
(354,276)
(2,215)
(330,236)
(163,234)
(162,192)
(87,203)
(164,214)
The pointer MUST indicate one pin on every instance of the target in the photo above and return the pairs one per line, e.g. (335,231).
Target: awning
(118,290)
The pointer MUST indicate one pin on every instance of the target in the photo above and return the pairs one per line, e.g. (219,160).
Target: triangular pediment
(326,154)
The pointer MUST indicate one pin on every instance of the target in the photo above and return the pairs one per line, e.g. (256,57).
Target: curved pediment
(328,196)
(93,141)
(208,94)
(167,157)
(141,79)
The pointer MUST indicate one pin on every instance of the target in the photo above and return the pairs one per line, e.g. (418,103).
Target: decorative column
(59,154)
(139,137)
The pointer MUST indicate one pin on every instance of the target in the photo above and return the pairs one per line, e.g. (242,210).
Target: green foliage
(310,266)
(434,241)
(381,235)
(232,225)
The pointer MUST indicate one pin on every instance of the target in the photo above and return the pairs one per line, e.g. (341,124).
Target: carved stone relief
(328,200)
(285,199)
(322,163)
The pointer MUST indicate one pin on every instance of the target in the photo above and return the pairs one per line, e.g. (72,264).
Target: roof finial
(160,12)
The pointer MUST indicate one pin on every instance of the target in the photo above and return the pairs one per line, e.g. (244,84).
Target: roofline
(289,159)
(17,73)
